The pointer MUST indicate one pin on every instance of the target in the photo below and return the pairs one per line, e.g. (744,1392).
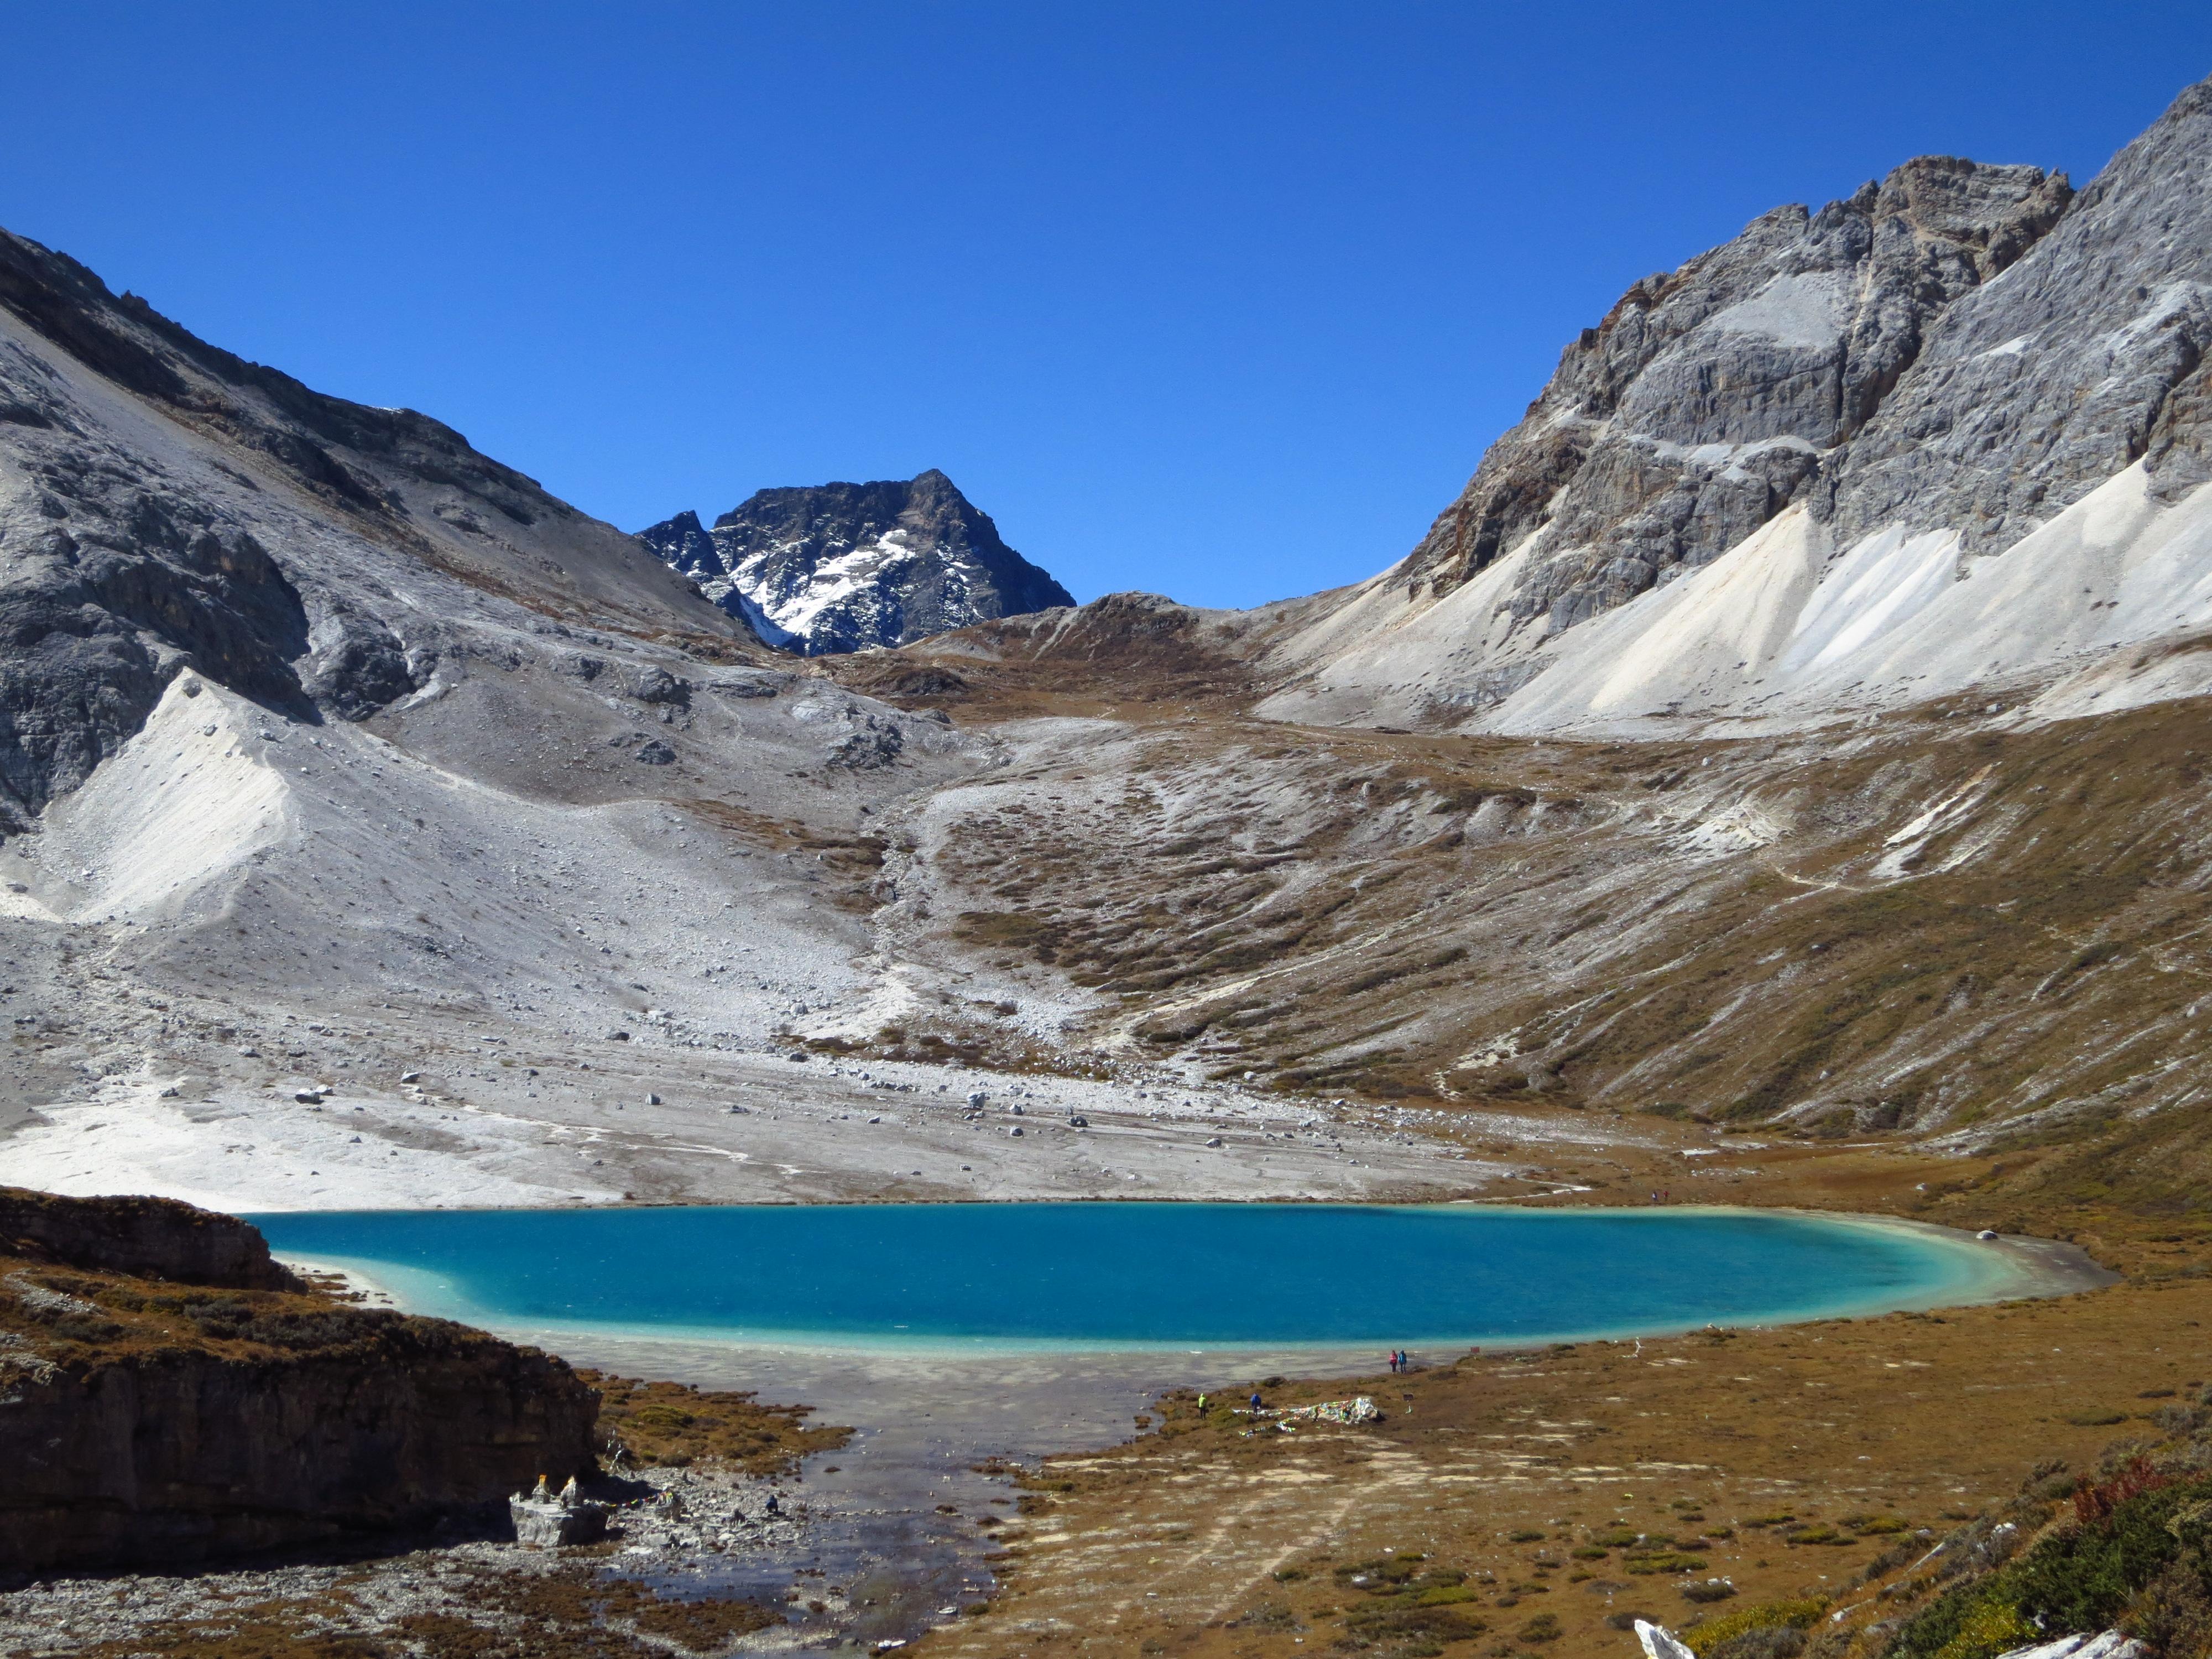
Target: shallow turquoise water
(1133,1275)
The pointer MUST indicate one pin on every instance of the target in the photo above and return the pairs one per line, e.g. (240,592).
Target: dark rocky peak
(682,541)
(848,567)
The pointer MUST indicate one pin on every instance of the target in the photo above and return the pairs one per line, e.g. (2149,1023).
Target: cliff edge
(169,1395)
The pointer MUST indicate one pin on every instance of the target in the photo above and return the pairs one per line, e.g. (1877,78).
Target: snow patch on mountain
(846,567)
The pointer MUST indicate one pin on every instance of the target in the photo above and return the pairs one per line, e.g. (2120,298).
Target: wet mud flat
(904,1526)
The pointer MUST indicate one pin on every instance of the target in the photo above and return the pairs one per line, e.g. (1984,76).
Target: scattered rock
(657,685)
(543,1521)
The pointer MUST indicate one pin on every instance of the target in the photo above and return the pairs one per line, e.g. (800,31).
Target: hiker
(1201,1405)
(1391,1360)
(1256,1405)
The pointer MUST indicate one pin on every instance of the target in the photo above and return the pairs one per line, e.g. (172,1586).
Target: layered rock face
(2088,357)
(149,1238)
(1792,454)
(1709,399)
(163,1399)
(849,567)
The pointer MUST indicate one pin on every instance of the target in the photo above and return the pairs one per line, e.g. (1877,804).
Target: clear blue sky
(1219,299)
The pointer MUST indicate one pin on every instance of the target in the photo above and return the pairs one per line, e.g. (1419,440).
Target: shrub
(1707,1590)
(2095,1502)
(2127,1532)
(1799,1614)
(1416,1624)
(1818,1532)
(1775,1642)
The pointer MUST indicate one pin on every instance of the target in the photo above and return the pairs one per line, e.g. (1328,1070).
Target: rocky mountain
(1779,778)
(846,566)
(165,505)
(1945,432)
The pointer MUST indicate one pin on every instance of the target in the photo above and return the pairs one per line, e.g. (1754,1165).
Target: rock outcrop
(2089,356)
(544,1519)
(846,567)
(164,1399)
(144,1238)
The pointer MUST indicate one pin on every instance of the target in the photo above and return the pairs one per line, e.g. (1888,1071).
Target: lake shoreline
(2008,1269)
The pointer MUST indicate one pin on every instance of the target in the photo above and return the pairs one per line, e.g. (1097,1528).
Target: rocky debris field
(645,1591)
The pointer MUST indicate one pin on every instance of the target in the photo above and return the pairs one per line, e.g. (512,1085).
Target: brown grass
(676,1424)
(1581,1482)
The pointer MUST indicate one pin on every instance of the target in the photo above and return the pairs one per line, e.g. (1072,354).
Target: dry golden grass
(1578,1485)
(676,1424)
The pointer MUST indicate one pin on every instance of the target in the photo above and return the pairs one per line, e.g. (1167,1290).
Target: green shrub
(1818,1532)
(1416,1624)
(2127,1533)
(1801,1613)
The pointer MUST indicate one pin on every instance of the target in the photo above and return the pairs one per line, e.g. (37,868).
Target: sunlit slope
(1928,928)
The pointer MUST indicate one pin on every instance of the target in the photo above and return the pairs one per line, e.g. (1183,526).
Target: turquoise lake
(1098,1276)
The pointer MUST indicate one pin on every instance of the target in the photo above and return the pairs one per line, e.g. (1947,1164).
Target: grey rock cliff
(2088,355)
(1708,398)
(845,567)
(1958,346)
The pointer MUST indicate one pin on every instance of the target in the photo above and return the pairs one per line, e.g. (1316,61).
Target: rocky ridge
(320,557)
(1870,403)
(1710,397)
(853,567)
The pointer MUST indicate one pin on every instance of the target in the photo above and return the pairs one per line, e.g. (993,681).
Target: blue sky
(1222,300)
